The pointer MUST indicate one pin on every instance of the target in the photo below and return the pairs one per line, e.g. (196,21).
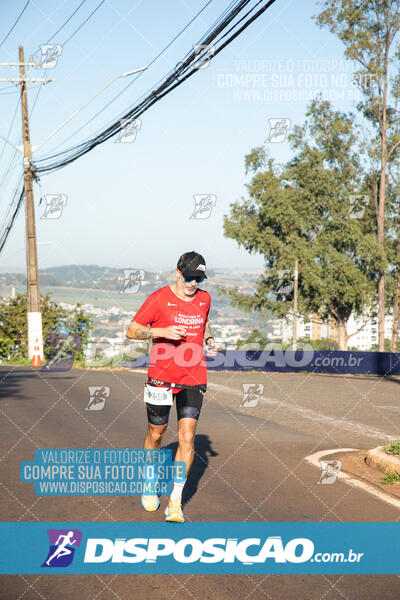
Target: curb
(314,459)
(378,459)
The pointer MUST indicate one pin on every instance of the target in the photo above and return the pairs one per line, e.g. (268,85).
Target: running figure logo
(251,394)
(205,52)
(50,54)
(62,351)
(285,284)
(278,129)
(128,131)
(55,203)
(203,204)
(358,204)
(61,551)
(98,396)
(132,280)
(329,471)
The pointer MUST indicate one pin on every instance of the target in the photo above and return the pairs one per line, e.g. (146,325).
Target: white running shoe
(150,503)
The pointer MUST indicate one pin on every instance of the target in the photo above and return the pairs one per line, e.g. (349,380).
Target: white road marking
(308,413)
(314,459)
(313,415)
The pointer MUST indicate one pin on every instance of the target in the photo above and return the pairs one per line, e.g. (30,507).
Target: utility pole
(33,292)
(32,269)
(296,287)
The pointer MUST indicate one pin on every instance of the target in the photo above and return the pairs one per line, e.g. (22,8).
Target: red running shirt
(177,361)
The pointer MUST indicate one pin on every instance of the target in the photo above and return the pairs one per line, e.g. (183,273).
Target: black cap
(192,264)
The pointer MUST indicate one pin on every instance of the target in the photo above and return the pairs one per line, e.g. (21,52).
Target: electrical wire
(19,198)
(65,22)
(185,69)
(19,193)
(175,77)
(12,28)
(70,37)
(142,72)
(8,135)
(8,93)
(213,26)
(84,22)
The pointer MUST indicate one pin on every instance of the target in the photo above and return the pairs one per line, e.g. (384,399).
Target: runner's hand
(213,348)
(174,332)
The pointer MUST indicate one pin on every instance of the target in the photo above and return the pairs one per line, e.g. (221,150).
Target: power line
(71,36)
(65,22)
(149,64)
(173,79)
(4,143)
(8,93)
(18,18)
(84,22)
(185,69)
(19,198)
(68,20)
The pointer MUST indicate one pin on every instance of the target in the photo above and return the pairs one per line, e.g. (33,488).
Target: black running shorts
(188,405)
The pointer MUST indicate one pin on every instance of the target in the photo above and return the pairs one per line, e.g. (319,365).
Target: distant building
(363,330)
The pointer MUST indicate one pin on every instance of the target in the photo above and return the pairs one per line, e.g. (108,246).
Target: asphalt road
(249,466)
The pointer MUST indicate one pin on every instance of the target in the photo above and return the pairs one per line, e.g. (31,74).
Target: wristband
(210,337)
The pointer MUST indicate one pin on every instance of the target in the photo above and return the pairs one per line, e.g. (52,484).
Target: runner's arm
(136,331)
(207,332)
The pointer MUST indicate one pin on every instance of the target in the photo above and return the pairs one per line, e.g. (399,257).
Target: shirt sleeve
(148,312)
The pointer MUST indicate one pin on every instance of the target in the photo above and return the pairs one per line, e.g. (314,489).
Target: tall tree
(368,29)
(307,211)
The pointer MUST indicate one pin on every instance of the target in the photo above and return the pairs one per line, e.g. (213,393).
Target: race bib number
(158,395)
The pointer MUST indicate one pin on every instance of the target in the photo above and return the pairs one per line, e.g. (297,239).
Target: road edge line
(314,458)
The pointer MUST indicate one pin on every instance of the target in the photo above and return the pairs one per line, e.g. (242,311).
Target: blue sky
(128,204)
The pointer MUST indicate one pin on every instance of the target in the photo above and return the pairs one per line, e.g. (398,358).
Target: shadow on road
(14,379)
(202,451)
(11,382)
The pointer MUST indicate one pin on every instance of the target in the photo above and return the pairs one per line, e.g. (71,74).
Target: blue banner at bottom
(197,548)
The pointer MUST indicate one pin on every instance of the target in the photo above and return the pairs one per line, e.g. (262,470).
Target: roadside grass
(390,478)
(393,447)
(20,362)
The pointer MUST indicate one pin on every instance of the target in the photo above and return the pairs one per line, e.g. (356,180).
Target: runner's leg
(188,406)
(158,423)
(186,435)
(154,435)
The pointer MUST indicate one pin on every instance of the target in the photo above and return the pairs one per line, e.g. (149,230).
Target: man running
(178,318)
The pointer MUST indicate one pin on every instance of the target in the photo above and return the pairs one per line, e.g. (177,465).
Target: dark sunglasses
(196,278)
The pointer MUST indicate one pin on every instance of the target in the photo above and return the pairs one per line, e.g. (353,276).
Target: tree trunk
(396,315)
(342,330)
(381,239)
